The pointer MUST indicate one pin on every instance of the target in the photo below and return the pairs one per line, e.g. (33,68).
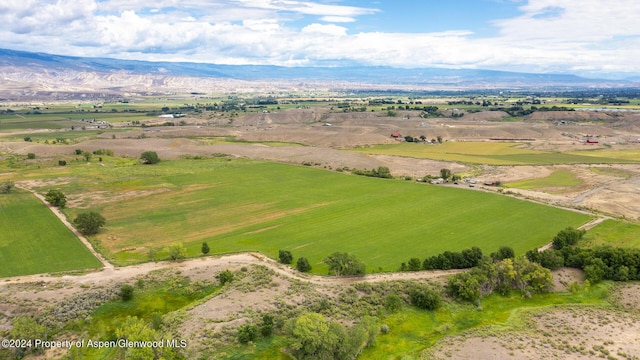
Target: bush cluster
(465,259)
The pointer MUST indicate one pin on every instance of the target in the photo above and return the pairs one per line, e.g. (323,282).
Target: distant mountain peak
(39,71)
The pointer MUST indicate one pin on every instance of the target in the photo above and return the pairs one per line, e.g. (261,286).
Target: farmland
(250,182)
(246,205)
(501,153)
(561,178)
(34,241)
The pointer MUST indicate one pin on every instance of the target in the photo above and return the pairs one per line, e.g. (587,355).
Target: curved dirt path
(235,260)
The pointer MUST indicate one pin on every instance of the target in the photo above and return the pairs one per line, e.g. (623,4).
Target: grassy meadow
(243,205)
(613,233)
(560,178)
(33,240)
(498,153)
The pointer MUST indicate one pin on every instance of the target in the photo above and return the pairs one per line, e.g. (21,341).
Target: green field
(560,178)
(613,233)
(33,240)
(247,205)
(498,153)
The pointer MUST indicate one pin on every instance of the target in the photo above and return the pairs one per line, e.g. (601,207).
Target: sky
(595,38)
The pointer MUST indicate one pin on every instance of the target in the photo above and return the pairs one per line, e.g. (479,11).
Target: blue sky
(585,37)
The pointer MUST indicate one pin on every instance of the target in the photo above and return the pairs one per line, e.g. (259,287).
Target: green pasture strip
(613,233)
(69,136)
(621,173)
(627,155)
(490,153)
(560,178)
(245,205)
(39,121)
(225,140)
(33,240)
(413,330)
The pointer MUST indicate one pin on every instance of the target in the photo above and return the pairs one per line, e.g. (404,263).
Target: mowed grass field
(560,178)
(499,153)
(244,205)
(613,233)
(33,240)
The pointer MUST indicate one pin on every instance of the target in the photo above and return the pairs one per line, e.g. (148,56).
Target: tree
(87,155)
(267,325)
(392,303)
(439,139)
(89,223)
(285,256)
(149,157)
(466,286)
(424,297)
(344,264)
(383,172)
(126,292)
(78,151)
(31,156)
(133,329)
(445,174)
(303,265)
(27,328)
(205,248)
(225,276)
(567,237)
(247,333)
(504,252)
(56,198)
(414,264)
(177,251)
(6,187)
(312,336)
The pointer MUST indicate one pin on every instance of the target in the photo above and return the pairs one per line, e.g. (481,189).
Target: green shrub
(247,333)
(424,297)
(285,256)
(303,265)
(126,292)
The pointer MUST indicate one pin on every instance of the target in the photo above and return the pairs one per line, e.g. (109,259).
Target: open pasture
(560,178)
(40,121)
(498,153)
(246,205)
(33,240)
(613,233)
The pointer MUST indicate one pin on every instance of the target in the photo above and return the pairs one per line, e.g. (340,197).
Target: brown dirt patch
(568,333)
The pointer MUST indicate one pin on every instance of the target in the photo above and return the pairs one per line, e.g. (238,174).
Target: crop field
(247,205)
(613,233)
(497,154)
(33,240)
(15,122)
(560,178)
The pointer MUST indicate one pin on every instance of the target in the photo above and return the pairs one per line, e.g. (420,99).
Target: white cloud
(325,29)
(339,19)
(549,35)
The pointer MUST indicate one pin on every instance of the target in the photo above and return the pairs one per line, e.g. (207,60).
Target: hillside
(27,74)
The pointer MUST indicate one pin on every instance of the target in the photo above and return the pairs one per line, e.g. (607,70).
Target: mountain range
(28,73)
